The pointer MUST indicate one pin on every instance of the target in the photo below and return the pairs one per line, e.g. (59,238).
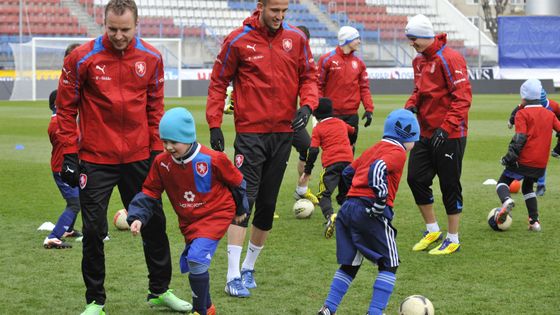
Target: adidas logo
(404,132)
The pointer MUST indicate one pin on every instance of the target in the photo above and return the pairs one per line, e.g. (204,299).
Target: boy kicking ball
(207,192)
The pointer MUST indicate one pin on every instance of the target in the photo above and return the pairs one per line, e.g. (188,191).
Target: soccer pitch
(512,272)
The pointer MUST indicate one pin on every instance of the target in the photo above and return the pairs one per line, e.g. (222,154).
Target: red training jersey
(536,122)
(331,135)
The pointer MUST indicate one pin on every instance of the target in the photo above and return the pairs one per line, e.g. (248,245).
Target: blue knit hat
(401,125)
(177,124)
(544,98)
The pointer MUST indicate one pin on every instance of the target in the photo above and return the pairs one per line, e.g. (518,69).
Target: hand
(70,173)
(302,116)
(378,207)
(368,116)
(438,138)
(240,218)
(153,155)
(556,151)
(135,227)
(507,160)
(510,125)
(217,139)
(413,109)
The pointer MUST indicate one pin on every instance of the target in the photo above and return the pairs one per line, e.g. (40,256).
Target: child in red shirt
(331,135)
(206,191)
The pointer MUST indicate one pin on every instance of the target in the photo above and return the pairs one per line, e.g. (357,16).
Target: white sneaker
(535,227)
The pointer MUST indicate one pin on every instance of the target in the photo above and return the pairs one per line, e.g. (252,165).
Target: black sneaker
(50,243)
(73,233)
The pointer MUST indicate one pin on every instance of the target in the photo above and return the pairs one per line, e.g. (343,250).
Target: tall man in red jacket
(441,98)
(115,84)
(270,63)
(343,78)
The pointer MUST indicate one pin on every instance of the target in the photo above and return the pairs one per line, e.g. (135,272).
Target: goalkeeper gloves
(301,118)
(378,207)
(438,138)
(217,139)
(70,173)
(368,116)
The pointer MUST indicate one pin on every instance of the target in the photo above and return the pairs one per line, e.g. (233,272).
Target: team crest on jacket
(354,64)
(287,44)
(239,160)
(83,181)
(140,67)
(202,168)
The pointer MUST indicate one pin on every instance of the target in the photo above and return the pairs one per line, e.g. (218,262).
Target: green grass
(514,272)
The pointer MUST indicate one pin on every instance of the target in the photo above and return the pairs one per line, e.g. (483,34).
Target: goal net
(38,64)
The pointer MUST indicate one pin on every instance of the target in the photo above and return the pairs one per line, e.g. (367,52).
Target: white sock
(301,190)
(253,252)
(453,237)
(432,227)
(234,256)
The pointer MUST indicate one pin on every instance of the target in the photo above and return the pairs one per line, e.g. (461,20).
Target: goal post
(38,64)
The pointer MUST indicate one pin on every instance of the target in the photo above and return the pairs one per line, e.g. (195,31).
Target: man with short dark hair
(115,83)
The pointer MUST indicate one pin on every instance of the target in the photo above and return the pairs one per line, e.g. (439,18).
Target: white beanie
(531,90)
(347,34)
(419,26)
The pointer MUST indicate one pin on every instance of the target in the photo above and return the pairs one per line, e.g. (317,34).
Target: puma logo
(459,71)
(66,72)
(102,69)
(166,166)
(450,156)
(252,47)
(68,169)
(335,62)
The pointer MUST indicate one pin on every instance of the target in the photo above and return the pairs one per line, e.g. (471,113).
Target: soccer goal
(38,64)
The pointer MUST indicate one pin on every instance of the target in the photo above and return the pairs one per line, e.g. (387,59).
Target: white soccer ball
(119,220)
(303,208)
(494,225)
(416,305)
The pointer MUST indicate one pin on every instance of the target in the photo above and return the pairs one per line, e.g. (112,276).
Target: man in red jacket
(270,64)
(115,84)
(343,78)
(441,98)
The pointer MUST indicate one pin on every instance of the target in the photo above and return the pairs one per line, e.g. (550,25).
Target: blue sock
(64,221)
(339,286)
(200,285)
(382,289)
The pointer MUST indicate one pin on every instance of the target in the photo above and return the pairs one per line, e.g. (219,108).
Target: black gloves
(368,116)
(70,173)
(302,116)
(413,109)
(438,138)
(378,207)
(509,160)
(217,139)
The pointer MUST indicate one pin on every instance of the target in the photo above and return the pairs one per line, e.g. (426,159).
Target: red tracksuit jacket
(536,122)
(442,92)
(268,71)
(344,79)
(119,98)
(331,135)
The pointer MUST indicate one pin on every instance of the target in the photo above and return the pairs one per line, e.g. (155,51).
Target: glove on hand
(217,139)
(70,173)
(413,109)
(368,116)
(378,207)
(508,160)
(302,116)
(438,138)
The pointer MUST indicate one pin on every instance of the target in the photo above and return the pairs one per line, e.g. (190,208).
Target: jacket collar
(439,41)
(109,46)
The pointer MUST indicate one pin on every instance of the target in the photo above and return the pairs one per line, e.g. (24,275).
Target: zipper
(123,140)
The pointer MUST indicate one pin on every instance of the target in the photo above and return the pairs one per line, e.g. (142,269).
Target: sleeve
(348,174)
(459,87)
(223,71)
(413,99)
(311,158)
(513,113)
(556,126)
(67,99)
(365,93)
(154,105)
(322,78)
(377,178)
(141,208)
(308,91)
(153,185)
(239,194)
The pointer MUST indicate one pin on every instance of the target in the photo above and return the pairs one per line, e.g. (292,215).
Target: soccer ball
(494,225)
(416,305)
(303,208)
(119,220)
(514,186)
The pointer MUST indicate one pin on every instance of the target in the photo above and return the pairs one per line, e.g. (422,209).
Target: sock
(301,190)
(64,221)
(531,203)
(503,192)
(382,289)
(453,237)
(339,286)
(253,252)
(234,256)
(432,227)
(200,285)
